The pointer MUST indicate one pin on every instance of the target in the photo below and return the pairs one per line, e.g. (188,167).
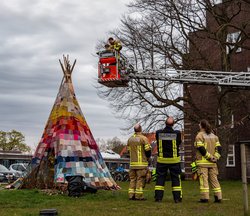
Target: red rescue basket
(112,69)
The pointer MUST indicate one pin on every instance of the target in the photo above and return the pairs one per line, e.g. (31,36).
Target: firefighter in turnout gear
(208,153)
(115,45)
(168,158)
(140,151)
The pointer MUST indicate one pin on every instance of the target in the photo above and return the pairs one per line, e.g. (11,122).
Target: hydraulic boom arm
(221,78)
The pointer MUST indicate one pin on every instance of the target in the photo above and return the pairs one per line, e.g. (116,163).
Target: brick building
(206,53)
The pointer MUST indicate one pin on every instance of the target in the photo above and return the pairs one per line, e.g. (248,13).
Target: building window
(231,156)
(233,38)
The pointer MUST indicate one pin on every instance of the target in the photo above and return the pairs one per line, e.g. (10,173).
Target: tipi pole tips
(67,68)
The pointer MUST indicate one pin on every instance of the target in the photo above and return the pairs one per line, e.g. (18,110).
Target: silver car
(6,175)
(20,169)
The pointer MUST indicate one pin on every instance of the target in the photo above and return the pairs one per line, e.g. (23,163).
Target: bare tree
(159,34)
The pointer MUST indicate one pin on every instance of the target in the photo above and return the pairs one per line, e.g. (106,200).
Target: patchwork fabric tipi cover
(67,146)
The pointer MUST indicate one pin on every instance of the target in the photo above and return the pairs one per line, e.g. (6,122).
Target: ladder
(219,78)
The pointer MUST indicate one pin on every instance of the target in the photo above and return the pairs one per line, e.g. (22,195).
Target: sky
(34,36)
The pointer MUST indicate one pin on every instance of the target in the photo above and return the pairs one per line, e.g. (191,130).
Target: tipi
(67,146)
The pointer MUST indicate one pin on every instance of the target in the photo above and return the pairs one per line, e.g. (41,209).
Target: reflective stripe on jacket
(137,145)
(209,142)
(168,142)
(116,46)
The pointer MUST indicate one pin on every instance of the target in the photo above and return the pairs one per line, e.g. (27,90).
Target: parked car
(6,175)
(20,169)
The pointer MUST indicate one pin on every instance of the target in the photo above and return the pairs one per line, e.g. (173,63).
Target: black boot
(178,200)
(203,201)
(177,196)
(217,200)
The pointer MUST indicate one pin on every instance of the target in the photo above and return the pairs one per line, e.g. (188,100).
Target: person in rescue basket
(168,158)
(107,47)
(140,151)
(115,45)
(208,153)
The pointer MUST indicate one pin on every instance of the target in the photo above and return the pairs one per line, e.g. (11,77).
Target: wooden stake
(244,176)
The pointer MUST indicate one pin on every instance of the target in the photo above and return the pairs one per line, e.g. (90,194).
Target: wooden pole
(67,69)
(244,176)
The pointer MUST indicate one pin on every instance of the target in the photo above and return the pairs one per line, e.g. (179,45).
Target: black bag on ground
(75,185)
(88,189)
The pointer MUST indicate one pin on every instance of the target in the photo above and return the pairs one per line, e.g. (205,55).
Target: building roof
(109,154)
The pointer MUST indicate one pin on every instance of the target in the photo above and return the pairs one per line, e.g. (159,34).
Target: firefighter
(168,158)
(115,45)
(107,47)
(140,152)
(208,152)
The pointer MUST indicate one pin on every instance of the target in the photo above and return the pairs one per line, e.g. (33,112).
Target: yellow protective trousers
(137,181)
(209,175)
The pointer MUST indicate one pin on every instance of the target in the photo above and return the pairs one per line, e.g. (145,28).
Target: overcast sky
(34,35)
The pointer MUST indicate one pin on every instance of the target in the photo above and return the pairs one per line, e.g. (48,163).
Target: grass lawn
(30,202)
